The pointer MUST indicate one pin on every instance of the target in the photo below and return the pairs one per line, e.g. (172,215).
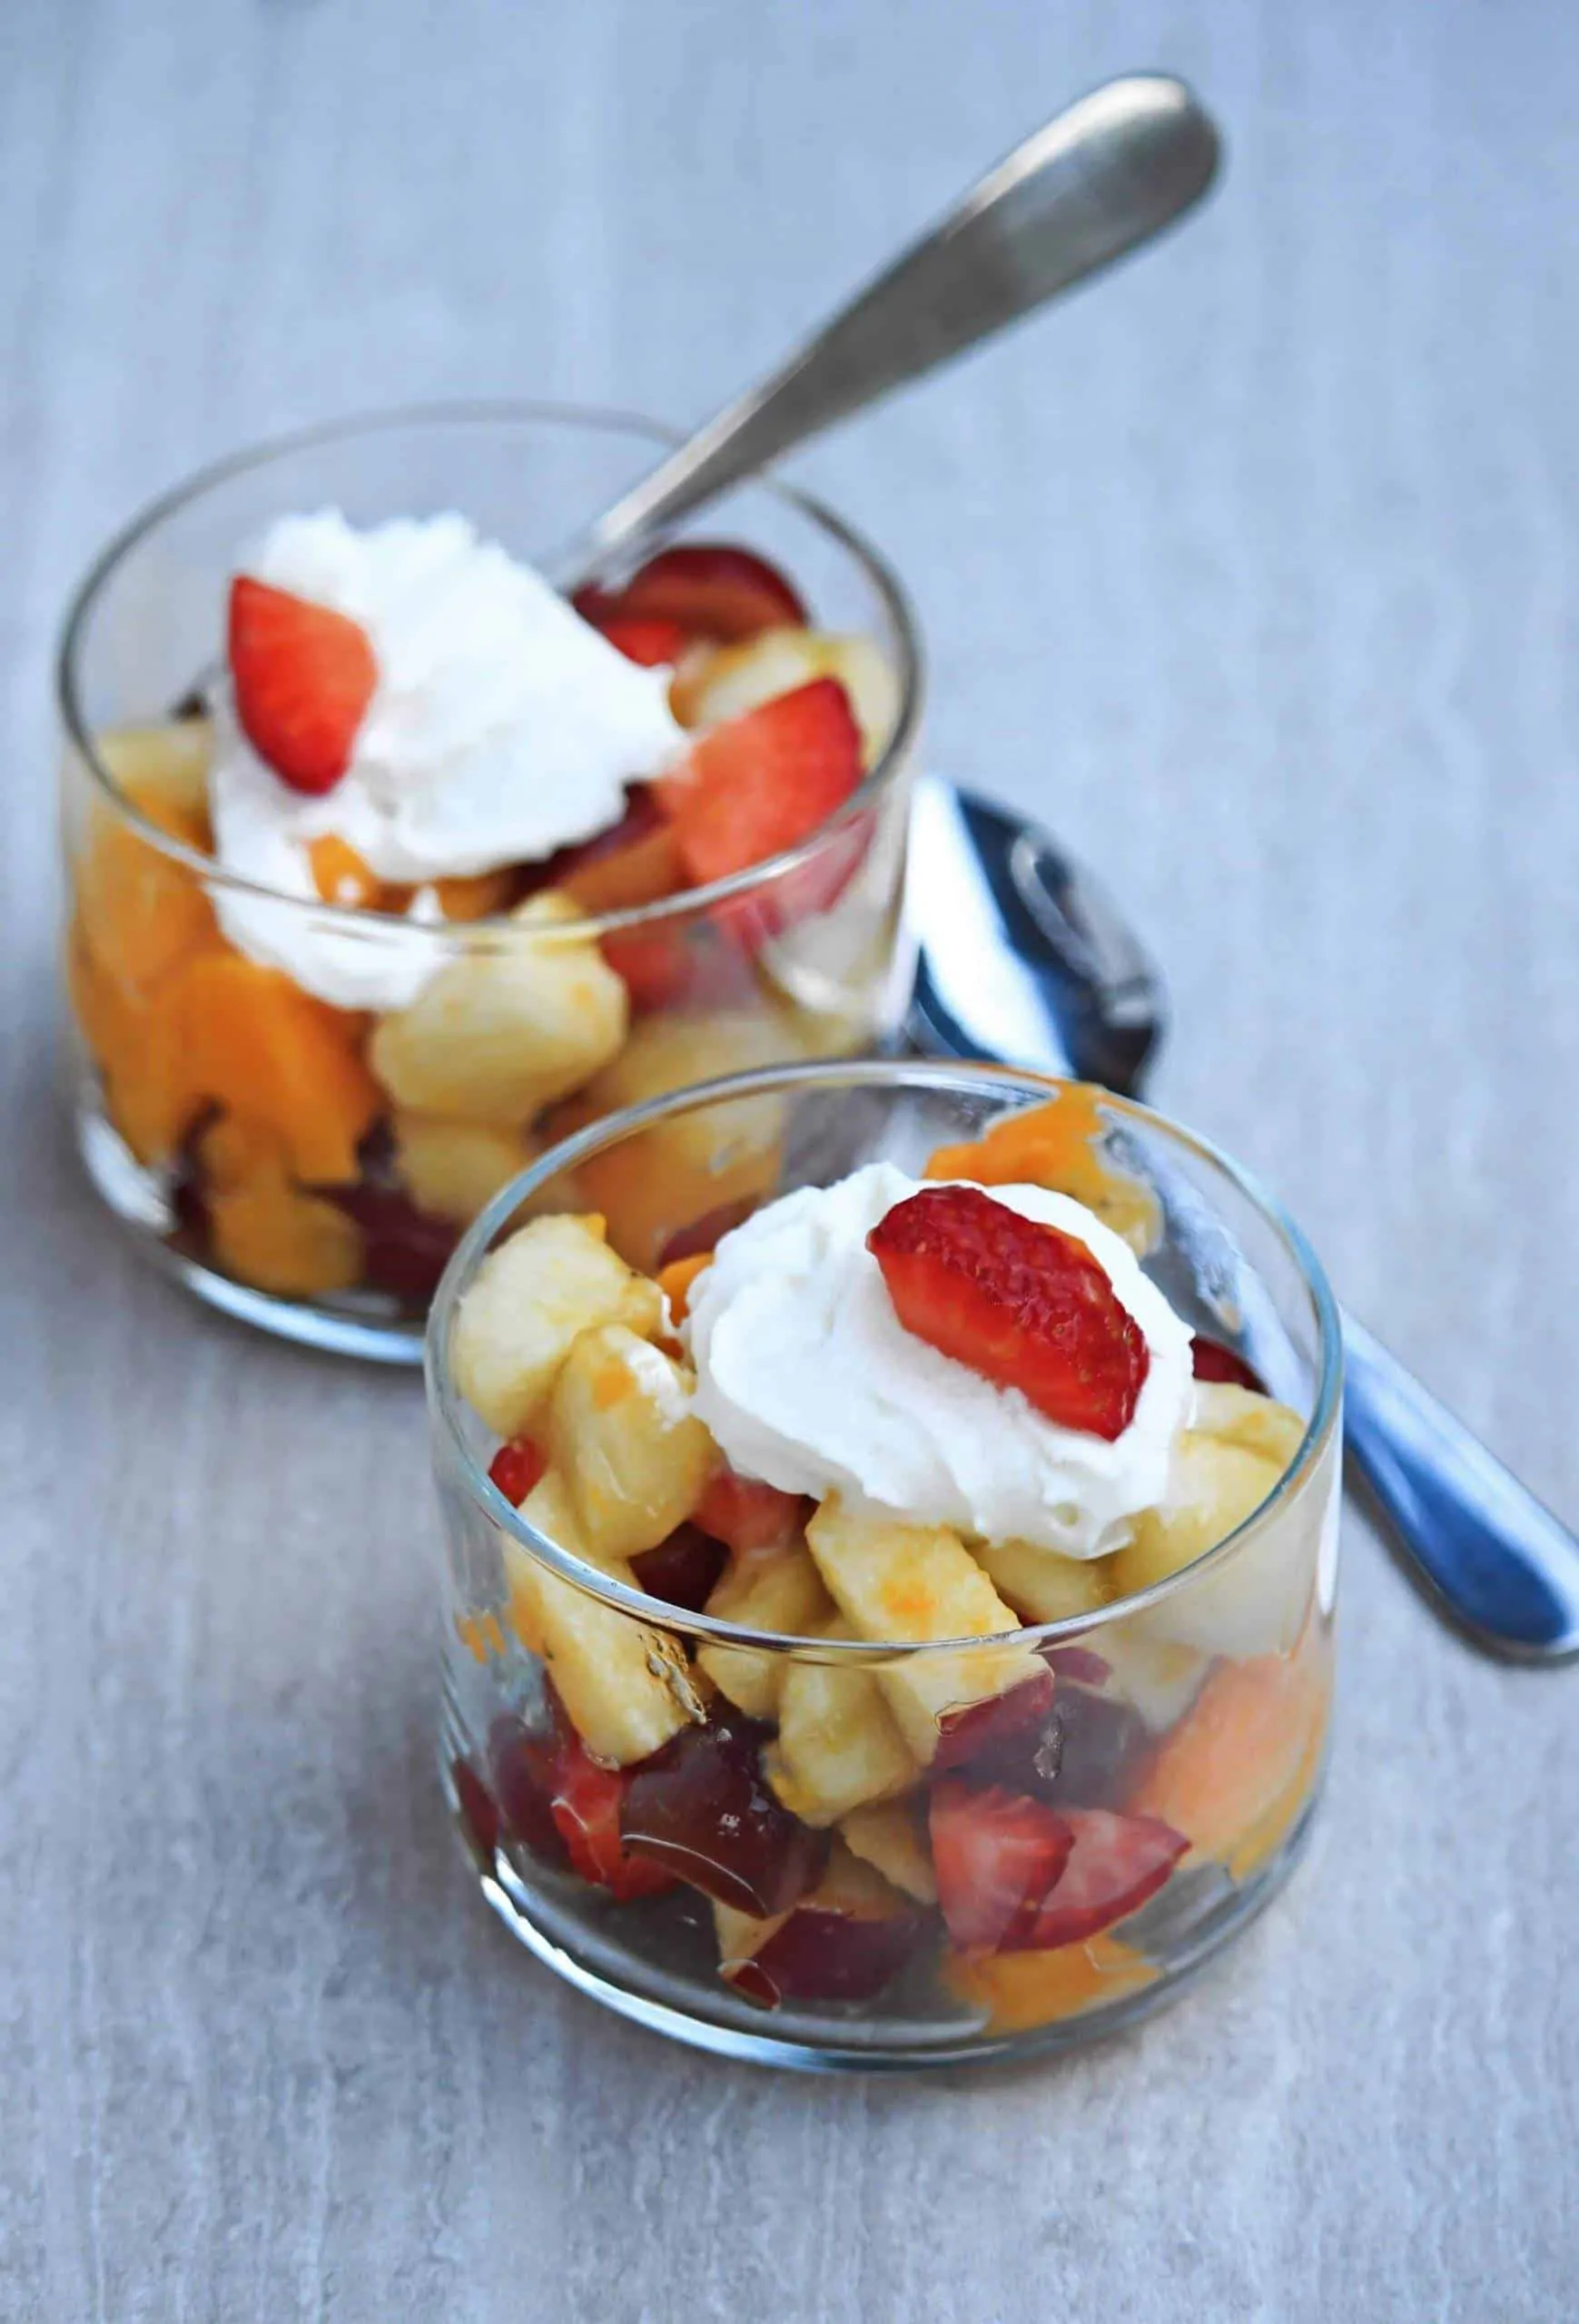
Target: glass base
(898,2040)
(370,1328)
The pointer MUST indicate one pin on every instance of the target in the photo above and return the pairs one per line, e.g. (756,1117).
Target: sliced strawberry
(584,1805)
(1022,1303)
(477,1812)
(706,588)
(647,639)
(1210,1360)
(748,1515)
(305,675)
(516,1469)
(763,782)
(1115,1863)
(997,1857)
(658,965)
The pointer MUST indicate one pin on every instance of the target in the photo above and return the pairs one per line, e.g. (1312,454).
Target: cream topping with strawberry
(500,726)
(809,1380)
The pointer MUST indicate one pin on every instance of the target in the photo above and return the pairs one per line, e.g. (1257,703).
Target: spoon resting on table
(1026,961)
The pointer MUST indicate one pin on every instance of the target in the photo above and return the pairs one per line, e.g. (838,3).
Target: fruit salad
(404,888)
(925,1718)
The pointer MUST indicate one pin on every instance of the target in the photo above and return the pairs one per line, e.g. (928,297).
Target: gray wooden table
(1256,572)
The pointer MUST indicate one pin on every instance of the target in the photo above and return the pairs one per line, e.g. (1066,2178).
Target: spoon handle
(1106,174)
(1500,1561)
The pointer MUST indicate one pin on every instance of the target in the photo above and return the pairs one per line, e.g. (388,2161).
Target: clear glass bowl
(800,956)
(1202,1701)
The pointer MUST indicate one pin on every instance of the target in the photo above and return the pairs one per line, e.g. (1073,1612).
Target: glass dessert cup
(245,1131)
(1177,1717)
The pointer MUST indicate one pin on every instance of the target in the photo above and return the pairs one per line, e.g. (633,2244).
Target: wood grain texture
(1254,571)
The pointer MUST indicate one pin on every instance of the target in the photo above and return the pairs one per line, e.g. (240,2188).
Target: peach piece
(1020,1990)
(271,1234)
(131,1042)
(640,872)
(344,877)
(674,1281)
(1056,1146)
(254,1042)
(141,913)
(1261,1843)
(480,896)
(1235,1759)
(263,1229)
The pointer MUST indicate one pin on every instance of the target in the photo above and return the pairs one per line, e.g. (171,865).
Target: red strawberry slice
(1024,1305)
(658,966)
(706,588)
(1115,1862)
(516,1469)
(585,1804)
(1210,1360)
(748,1515)
(762,783)
(305,675)
(997,1857)
(643,639)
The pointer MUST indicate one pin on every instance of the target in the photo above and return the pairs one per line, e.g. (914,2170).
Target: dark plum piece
(821,1953)
(705,1234)
(1100,1740)
(710,588)
(702,1808)
(522,1762)
(1003,1724)
(1210,1360)
(683,1567)
(1078,1663)
(1077,1748)
(406,1249)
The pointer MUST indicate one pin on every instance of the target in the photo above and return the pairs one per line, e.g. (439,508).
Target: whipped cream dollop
(808,1380)
(502,726)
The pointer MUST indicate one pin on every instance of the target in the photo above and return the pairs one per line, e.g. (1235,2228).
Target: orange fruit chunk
(256,1043)
(263,1229)
(640,872)
(132,1043)
(1058,1145)
(344,877)
(142,913)
(674,1281)
(479,896)
(1020,1990)
(1240,1763)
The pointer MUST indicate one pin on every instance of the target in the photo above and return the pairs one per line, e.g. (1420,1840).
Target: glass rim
(493,413)
(444,1399)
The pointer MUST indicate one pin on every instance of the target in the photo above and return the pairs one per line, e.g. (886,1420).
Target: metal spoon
(1025,960)
(1099,179)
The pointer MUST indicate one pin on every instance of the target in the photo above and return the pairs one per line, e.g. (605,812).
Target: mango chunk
(256,1043)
